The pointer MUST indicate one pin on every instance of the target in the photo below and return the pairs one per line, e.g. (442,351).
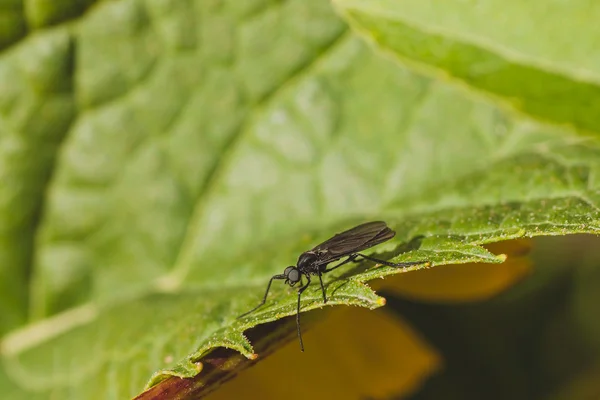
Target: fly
(315,261)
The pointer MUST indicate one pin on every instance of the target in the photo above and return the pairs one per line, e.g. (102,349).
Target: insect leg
(391,264)
(264,300)
(350,258)
(322,288)
(302,289)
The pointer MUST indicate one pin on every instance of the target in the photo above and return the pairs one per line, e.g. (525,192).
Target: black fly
(315,261)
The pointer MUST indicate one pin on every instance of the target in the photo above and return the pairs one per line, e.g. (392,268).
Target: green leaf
(37,106)
(544,66)
(197,148)
(12,22)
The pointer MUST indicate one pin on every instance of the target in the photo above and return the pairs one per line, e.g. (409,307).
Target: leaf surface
(157,173)
(545,67)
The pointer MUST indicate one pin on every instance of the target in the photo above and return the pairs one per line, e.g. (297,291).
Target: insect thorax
(306,261)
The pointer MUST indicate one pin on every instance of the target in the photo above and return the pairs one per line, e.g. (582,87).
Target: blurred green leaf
(186,151)
(546,66)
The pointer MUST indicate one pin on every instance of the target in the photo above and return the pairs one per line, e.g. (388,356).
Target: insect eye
(286,272)
(293,275)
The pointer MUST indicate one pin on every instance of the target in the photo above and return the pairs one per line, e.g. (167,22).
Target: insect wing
(353,240)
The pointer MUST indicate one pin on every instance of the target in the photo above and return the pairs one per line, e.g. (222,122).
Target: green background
(160,159)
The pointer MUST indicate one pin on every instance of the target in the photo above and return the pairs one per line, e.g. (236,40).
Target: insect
(315,261)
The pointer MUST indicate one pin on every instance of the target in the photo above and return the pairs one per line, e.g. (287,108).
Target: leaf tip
(501,257)
(252,356)
(199,366)
(381,301)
